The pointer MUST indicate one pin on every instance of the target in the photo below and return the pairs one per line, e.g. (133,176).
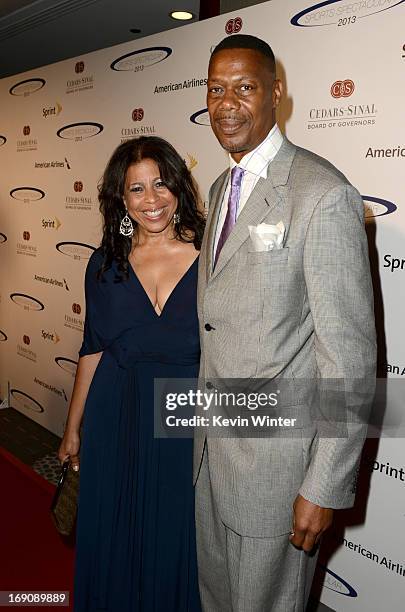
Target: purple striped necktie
(233,201)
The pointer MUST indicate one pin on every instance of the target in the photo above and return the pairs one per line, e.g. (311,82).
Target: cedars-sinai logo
(136,61)
(26,401)
(377,207)
(79,67)
(340,12)
(78,186)
(80,131)
(342,89)
(138,114)
(27,87)
(233,26)
(201,117)
(76,309)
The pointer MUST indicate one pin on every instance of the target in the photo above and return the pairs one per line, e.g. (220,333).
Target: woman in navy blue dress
(135,531)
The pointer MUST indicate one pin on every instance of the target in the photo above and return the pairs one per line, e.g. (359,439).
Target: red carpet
(34,556)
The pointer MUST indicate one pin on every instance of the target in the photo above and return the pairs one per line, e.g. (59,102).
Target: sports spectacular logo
(137,61)
(27,87)
(341,12)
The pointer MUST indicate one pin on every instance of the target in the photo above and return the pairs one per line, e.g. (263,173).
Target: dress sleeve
(96,308)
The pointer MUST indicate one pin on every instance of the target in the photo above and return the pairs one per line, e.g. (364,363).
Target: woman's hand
(69,449)
(70,445)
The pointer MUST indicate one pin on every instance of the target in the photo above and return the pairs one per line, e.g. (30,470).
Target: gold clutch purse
(64,504)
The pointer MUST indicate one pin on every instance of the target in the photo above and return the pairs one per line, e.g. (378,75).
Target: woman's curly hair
(176,176)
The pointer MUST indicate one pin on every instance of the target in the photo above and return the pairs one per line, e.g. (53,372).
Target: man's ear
(277,92)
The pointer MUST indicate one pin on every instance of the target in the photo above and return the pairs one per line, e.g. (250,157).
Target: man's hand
(310,521)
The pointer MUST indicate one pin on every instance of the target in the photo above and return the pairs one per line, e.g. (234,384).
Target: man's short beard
(236,148)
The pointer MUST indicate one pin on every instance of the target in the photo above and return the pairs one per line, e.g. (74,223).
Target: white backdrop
(342,63)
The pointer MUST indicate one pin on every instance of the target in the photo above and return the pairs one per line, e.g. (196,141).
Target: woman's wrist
(72,428)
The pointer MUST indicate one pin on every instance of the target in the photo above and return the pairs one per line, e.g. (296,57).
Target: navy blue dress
(135,531)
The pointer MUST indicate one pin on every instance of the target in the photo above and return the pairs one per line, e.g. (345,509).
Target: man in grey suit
(284,294)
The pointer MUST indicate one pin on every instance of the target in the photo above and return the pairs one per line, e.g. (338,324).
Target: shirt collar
(258,160)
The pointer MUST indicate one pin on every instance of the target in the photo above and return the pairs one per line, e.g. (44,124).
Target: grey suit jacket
(302,313)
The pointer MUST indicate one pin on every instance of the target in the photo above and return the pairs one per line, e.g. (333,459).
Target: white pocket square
(267,237)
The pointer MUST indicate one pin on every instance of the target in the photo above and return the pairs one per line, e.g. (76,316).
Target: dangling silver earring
(176,218)
(126,226)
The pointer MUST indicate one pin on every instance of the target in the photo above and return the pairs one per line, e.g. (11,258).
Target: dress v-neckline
(159,316)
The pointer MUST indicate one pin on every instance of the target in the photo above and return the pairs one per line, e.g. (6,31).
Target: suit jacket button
(208,327)
(209,385)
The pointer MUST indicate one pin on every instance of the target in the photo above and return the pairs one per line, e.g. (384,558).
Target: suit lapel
(217,196)
(263,199)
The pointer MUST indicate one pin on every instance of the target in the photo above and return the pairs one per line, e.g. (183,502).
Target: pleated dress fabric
(135,531)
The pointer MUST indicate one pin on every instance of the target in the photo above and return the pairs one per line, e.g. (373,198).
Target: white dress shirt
(255,165)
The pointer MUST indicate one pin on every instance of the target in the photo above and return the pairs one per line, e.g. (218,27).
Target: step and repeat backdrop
(342,63)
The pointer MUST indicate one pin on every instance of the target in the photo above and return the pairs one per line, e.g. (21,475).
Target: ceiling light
(181,15)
